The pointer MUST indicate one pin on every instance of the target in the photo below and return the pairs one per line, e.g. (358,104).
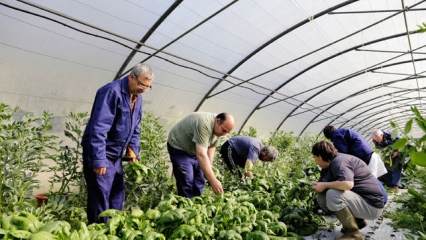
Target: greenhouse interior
(212,119)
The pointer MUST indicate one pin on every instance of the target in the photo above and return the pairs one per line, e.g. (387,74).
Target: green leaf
(400,143)
(422,139)
(418,158)
(394,133)
(392,123)
(421,124)
(408,125)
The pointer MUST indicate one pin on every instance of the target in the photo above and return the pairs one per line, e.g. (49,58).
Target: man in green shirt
(192,145)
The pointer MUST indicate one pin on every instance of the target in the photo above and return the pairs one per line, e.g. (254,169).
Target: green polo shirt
(197,128)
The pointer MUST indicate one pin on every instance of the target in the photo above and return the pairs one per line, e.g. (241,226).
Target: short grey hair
(377,133)
(141,68)
(271,152)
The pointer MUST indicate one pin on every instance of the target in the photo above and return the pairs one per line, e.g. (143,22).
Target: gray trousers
(335,200)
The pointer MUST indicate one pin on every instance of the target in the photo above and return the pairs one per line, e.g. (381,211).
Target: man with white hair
(382,139)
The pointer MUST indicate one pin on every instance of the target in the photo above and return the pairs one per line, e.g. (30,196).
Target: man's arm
(319,187)
(247,168)
(210,153)
(206,167)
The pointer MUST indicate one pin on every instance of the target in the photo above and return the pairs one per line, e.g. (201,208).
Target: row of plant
(280,190)
(411,214)
(256,210)
(28,142)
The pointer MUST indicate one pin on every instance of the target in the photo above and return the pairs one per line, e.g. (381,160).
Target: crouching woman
(347,188)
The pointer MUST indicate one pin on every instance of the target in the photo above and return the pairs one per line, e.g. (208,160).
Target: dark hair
(324,149)
(222,117)
(328,131)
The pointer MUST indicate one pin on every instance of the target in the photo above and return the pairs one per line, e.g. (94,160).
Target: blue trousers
(190,179)
(393,178)
(103,192)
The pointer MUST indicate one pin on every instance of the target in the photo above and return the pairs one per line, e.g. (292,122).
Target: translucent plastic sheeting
(276,65)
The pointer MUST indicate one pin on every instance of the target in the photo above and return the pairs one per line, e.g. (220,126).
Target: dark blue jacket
(112,126)
(387,140)
(349,141)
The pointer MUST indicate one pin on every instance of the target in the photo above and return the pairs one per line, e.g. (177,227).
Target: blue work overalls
(111,128)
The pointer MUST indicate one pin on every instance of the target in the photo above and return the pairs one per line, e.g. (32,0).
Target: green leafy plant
(24,145)
(415,148)
(67,167)
(148,191)
(422,28)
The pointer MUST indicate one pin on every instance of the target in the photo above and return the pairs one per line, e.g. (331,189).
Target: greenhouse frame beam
(305,70)
(364,111)
(303,102)
(365,90)
(391,73)
(146,37)
(381,124)
(338,54)
(372,114)
(332,104)
(364,102)
(360,92)
(342,80)
(107,32)
(249,56)
(369,115)
(375,113)
(376,11)
(382,51)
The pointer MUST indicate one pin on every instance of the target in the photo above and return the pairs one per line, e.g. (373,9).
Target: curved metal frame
(207,95)
(146,36)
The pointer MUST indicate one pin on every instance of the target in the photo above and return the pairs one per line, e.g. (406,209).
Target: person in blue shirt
(243,151)
(382,139)
(349,141)
(112,133)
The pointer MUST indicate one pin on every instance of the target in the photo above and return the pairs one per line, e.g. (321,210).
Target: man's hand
(132,160)
(216,186)
(100,171)
(318,187)
(395,154)
(248,174)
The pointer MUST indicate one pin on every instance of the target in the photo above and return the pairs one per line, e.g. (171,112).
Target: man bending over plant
(393,158)
(243,151)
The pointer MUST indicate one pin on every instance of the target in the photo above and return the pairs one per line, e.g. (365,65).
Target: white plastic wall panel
(64,67)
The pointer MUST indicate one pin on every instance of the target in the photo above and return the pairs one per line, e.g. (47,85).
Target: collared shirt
(387,140)
(112,126)
(196,128)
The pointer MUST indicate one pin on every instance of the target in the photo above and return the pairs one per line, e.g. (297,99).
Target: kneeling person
(243,151)
(347,188)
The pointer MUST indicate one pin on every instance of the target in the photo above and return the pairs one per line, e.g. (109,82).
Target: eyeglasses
(147,88)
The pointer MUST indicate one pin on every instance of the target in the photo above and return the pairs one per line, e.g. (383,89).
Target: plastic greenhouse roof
(275,65)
